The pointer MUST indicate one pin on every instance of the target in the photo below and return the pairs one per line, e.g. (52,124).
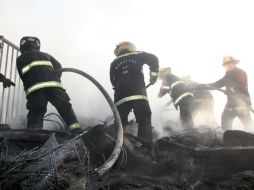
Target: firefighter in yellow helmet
(127,79)
(238,98)
(180,93)
(42,84)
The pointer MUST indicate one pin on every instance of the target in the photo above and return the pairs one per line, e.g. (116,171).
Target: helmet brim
(231,62)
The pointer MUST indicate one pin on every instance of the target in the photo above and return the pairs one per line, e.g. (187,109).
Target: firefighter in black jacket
(6,82)
(127,78)
(238,98)
(180,93)
(203,104)
(41,79)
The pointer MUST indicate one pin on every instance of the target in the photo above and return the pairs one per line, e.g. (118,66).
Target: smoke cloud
(189,36)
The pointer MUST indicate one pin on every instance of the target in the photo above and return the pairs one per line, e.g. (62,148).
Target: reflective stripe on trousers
(129,98)
(74,126)
(43,85)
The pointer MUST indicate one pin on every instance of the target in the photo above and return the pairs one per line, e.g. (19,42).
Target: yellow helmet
(124,46)
(164,71)
(229,59)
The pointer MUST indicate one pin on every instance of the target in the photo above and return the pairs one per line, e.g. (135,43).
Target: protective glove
(153,79)
(7,83)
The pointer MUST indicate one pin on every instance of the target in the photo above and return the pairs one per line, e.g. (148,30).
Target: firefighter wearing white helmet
(127,79)
(124,46)
(238,103)
(41,78)
(180,93)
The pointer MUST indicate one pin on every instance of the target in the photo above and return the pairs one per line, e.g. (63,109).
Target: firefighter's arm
(57,66)
(211,86)
(112,76)
(153,62)
(6,82)
(163,90)
(219,83)
(2,77)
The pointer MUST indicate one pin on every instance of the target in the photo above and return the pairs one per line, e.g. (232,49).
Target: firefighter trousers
(229,114)
(37,107)
(185,112)
(142,112)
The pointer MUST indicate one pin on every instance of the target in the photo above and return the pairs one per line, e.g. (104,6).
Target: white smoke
(186,35)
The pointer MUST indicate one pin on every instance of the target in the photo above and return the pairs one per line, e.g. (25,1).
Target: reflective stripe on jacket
(126,73)
(177,88)
(26,68)
(183,96)
(176,83)
(37,70)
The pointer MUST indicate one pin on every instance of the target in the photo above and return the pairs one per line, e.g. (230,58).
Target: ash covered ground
(203,158)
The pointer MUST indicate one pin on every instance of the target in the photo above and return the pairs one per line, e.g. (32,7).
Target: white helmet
(124,46)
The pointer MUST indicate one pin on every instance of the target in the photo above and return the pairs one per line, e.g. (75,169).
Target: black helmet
(28,43)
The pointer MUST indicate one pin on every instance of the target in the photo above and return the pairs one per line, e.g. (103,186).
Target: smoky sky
(189,36)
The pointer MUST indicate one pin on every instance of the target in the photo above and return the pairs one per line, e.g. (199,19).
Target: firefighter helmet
(229,59)
(28,43)
(124,46)
(164,71)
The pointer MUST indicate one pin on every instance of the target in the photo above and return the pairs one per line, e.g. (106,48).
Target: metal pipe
(1,49)
(9,89)
(11,104)
(5,70)
(1,59)
(14,93)
(9,43)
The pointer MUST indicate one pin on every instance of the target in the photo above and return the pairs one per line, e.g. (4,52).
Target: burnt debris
(187,160)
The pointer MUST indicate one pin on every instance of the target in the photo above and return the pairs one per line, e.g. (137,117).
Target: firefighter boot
(75,129)
(145,130)
(34,121)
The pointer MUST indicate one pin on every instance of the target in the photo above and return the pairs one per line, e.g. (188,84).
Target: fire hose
(209,87)
(119,141)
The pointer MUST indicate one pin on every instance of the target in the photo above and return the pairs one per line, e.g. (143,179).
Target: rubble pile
(193,159)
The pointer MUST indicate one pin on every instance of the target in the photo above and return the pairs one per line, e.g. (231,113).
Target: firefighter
(127,79)
(203,103)
(40,73)
(180,93)
(6,82)
(238,98)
